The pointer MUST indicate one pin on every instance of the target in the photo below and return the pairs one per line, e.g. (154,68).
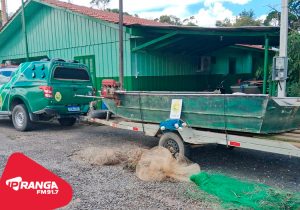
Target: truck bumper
(58,111)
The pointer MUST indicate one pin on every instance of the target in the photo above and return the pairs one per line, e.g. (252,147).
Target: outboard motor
(109,87)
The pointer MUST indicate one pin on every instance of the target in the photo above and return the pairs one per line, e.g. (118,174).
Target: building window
(204,64)
(232,65)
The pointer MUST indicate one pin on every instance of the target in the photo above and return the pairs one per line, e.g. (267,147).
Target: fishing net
(236,194)
(158,164)
(101,156)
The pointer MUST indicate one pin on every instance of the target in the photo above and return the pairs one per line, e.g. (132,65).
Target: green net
(236,194)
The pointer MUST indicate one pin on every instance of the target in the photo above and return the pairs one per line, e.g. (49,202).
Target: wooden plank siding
(61,34)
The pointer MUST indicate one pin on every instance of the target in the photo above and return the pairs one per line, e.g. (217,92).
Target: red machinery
(109,86)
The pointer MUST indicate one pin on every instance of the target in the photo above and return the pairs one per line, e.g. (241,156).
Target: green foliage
(294,8)
(170,19)
(100,3)
(117,11)
(294,64)
(225,23)
(190,21)
(245,18)
(272,18)
(294,15)
(294,89)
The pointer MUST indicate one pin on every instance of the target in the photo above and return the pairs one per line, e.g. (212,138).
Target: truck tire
(20,118)
(67,121)
(174,143)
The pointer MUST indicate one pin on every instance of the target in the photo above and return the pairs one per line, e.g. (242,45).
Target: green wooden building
(156,56)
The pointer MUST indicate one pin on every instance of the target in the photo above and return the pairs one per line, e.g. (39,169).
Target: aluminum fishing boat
(249,113)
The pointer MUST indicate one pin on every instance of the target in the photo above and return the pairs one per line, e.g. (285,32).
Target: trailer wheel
(173,143)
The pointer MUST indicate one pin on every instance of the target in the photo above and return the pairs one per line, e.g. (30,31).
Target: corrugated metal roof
(216,29)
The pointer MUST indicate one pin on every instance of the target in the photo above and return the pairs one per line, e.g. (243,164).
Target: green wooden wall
(169,71)
(61,34)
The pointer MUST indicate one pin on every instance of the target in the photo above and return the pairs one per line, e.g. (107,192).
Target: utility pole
(25,31)
(283,43)
(4,12)
(121,50)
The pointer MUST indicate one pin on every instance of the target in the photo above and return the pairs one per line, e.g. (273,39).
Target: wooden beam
(147,44)
(168,43)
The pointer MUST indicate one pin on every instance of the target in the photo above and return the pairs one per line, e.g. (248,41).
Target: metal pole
(4,12)
(121,50)
(266,65)
(283,42)
(25,31)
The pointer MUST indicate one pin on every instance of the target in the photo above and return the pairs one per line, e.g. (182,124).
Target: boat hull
(250,113)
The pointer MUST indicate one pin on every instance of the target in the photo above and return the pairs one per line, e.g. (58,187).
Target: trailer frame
(194,136)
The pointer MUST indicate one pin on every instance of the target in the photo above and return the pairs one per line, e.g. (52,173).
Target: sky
(206,12)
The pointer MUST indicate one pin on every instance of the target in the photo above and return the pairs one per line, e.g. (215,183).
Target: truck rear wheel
(174,144)
(67,121)
(20,118)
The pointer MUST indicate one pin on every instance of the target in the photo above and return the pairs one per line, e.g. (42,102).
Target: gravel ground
(112,187)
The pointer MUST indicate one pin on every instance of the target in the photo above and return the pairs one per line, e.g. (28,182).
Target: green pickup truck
(43,90)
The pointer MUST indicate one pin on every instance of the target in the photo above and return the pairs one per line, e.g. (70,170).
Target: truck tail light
(48,91)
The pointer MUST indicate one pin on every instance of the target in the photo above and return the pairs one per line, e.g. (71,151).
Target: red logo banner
(27,185)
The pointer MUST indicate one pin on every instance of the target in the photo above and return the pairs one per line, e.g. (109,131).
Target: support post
(121,50)
(4,12)
(25,31)
(266,65)
(283,43)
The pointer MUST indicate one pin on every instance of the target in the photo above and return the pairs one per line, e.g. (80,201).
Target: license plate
(73,108)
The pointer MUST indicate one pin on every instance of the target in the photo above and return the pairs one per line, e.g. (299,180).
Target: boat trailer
(181,137)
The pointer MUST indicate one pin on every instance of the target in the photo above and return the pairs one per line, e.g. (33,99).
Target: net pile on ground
(156,164)
(237,194)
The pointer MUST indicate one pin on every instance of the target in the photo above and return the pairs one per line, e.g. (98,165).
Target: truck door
(4,97)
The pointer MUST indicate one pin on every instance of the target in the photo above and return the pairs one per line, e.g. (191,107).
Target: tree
(170,19)
(225,23)
(294,64)
(293,83)
(191,21)
(100,3)
(294,15)
(245,18)
(272,19)
(117,11)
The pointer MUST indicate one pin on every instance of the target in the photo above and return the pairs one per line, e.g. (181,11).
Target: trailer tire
(99,114)
(174,143)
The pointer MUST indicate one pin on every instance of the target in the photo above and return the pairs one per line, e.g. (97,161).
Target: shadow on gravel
(39,126)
